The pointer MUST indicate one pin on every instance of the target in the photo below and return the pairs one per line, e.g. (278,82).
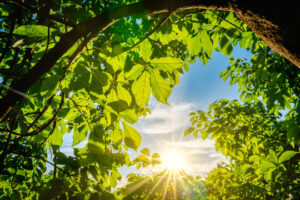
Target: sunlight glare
(174,160)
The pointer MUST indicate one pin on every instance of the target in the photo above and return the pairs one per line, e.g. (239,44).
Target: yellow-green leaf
(206,42)
(145,151)
(167,63)
(132,138)
(141,89)
(145,50)
(124,94)
(135,72)
(160,87)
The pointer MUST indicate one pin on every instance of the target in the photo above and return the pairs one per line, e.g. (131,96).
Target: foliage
(262,144)
(99,87)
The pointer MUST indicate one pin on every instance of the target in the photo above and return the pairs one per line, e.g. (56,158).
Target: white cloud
(166,119)
(192,143)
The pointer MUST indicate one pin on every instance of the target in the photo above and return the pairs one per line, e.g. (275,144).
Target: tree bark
(278,29)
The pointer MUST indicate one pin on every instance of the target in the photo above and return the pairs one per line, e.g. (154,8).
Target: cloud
(192,143)
(166,119)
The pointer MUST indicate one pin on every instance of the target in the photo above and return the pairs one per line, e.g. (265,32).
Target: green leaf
(56,139)
(33,31)
(117,62)
(146,50)
(155,156)
(206,42)
(234,33)
(100,77)
(226,46)
(145,151)
(132,138)
(266,166)
(287,155)
(167,63)
(189,131)
(160,87)
(272,157)
(195,134)
(79,134)
(194,45)
(141,89)
(130,116)
(116,136)
(124,94)
(49,85)
(97,134)
(134,72)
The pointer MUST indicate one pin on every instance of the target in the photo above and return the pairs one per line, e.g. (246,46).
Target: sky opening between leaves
(163,130)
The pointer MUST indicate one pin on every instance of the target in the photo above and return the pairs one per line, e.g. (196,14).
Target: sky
(163,130)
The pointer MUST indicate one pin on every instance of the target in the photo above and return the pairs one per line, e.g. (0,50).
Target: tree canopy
(89,68)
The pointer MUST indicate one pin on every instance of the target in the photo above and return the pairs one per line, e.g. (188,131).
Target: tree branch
(107,18)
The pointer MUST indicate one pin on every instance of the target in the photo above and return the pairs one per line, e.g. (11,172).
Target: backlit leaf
(141,89)
(160,87)
(132,138)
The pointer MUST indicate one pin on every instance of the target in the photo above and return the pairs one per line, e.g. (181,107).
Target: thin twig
(43,159)
(54,126)
(188,14)
(6,148)
(226,20)
(151,32)
(80,49)
(48,38)
(35,132)
(48,103)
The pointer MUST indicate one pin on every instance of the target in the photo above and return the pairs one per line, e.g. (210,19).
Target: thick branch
(107,18)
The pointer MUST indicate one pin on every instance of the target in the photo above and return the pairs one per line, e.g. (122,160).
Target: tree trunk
(277,24)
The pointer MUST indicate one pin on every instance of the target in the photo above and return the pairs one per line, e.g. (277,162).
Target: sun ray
(166,187)
(136,186)
(183,181)
(174,184)
(156,184)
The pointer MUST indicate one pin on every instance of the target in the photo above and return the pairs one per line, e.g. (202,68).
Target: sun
(174,160)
